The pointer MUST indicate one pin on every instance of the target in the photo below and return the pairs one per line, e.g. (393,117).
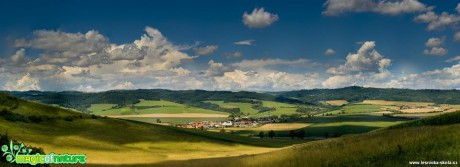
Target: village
(244,122)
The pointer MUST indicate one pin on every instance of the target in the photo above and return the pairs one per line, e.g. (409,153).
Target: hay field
(336,102)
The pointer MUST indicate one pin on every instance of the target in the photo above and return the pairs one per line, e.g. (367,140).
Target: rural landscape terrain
(240,83)
(307,128)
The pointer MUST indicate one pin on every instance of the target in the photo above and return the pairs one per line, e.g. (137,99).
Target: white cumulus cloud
(457,36)
(329,52)
(233,55)
(206,50)
(366,67)
(245,42)
(337,7)
(435,47)
(456,58)
(259,18)
(436,22)
(435,51)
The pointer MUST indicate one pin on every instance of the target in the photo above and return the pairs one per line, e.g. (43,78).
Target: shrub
(69,118)
(271,134)
(11,116)
(35,119)
(93,116)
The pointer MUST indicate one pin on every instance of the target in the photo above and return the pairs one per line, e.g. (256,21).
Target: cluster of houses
(405,107)
(223,124)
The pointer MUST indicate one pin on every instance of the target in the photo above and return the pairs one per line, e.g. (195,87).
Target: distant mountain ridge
(82,100)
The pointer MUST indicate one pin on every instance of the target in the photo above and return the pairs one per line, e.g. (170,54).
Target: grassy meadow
(148,107)
(177,120)
(279,108)
(433,139)
(335,125)
(245,108)
(384,148)
(356,109)
(63,131)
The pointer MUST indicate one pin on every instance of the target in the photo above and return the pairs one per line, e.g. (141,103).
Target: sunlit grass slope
(113,141)
(148,107)
(419,141)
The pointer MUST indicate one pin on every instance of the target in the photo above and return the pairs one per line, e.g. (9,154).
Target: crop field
(356,109)
(181,115)
(396,103)
(332,125)
(149,107)
(176,120)
(245,108)
(268,127)
(413,109)
(336,102)
(100,107)
(280,108)
(421,110)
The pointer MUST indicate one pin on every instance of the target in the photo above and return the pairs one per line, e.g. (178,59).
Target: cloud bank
(338,7)
(90,62)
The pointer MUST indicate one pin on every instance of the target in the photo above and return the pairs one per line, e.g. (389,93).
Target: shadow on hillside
(338,130)
(351,118)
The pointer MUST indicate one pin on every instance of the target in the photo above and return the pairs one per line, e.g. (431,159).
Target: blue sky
(405,44)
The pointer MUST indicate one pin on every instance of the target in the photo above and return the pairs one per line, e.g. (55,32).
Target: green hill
(398,146)
(114,141)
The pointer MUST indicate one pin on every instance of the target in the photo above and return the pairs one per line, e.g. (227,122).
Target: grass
(95,108)
(245,108)
(336,125)
(348,124)
(114,141)
(444,119)
(356,108)
(176,120)
(253,131)
(149,107)
(280,108)
(386,148)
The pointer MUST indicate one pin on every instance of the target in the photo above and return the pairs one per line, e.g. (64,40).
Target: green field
(356,108)
(149,107)
(337,125)
(245,108)
(280,108)
(349,124)
(176,120)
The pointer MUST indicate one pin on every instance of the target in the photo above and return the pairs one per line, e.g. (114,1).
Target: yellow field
(396,103)
(336,102)
(421,110)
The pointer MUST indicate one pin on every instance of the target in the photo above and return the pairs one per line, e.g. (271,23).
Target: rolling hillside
(64,131)
(431,139)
